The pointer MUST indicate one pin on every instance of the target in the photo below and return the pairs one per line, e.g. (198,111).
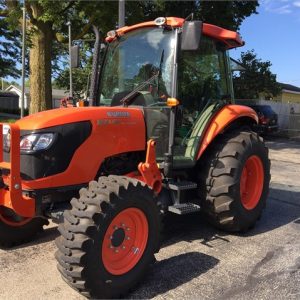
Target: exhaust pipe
(95,72)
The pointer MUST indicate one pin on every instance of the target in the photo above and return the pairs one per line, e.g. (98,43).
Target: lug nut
(127,237)
(116,251)
(17,186)
(123,247)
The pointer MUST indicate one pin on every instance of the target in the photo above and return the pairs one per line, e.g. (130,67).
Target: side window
(202,75)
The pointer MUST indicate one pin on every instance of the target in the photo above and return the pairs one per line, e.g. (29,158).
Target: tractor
(161,135)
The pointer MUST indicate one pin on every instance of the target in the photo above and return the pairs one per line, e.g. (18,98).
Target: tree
(80,76)
(46,23)
(9,48)
(256,79)
(227,14)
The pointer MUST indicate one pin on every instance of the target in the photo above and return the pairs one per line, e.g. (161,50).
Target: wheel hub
(118,237)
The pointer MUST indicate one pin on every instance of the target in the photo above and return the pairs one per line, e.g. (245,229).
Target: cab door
(203,86)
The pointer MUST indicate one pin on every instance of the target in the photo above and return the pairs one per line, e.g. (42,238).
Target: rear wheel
(109,237)
(234,181)
(15,230)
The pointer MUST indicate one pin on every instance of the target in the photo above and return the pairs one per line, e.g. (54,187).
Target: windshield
(132,60)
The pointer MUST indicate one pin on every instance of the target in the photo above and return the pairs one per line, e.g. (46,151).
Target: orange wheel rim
(252,182)
(125,241)
(10,221)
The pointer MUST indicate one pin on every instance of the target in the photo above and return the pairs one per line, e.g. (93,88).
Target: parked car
(268,119)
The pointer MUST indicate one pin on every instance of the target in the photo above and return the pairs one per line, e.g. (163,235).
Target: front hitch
(11,190)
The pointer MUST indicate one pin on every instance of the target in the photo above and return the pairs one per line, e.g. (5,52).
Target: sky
(274,34)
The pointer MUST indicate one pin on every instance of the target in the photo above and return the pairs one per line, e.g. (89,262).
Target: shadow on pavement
(47,235)
(191,228)
(172,272)
(283,207)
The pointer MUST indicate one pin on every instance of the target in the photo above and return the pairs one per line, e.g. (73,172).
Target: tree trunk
(40,68)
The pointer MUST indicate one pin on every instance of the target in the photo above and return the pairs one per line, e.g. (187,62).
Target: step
(5,165)
(184,208)
(182,185)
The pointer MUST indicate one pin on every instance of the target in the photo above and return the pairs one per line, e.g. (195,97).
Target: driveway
(196,260)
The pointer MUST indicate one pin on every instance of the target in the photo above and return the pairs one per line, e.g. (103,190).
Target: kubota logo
(118,114)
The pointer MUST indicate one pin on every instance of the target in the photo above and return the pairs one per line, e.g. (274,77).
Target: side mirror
(191,35)
(75,56)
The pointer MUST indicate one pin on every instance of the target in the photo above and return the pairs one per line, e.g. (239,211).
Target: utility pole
(70,61)
(121,13)
(23,59)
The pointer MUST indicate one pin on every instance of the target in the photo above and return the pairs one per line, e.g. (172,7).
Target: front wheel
(234,180)
(109,237)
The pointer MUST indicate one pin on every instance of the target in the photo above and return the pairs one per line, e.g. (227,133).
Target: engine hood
(60,116)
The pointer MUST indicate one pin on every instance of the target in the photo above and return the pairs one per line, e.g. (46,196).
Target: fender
(225,117)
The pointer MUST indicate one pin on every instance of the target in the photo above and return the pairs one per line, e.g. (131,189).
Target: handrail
(13,197)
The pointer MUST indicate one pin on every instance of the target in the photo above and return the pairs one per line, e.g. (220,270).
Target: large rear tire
(15,230)
(109,237)
(234,181)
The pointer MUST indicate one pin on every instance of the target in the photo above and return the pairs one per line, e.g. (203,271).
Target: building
(56,95)
(289,94)
(8,101)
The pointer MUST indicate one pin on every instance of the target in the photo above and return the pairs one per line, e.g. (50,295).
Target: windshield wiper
(126,100)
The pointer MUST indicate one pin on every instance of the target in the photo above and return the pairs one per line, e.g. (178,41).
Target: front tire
(109,237)
(234,181)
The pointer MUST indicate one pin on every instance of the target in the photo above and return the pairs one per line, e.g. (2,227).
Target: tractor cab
(178,75)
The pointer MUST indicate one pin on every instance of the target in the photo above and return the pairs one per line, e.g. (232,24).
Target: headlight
(36,142)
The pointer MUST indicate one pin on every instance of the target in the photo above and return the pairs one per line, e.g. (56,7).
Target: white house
(56,95)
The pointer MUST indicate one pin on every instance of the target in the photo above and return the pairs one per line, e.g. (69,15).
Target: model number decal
(118,114)
(115,122)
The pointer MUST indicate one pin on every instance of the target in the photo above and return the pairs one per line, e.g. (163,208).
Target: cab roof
(230,38)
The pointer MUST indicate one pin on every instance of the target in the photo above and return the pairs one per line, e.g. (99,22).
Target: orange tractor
(161,136)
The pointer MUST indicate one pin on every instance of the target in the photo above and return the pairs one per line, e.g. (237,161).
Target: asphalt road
(196,261)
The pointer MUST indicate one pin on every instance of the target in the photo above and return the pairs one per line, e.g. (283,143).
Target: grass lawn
(6,120)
